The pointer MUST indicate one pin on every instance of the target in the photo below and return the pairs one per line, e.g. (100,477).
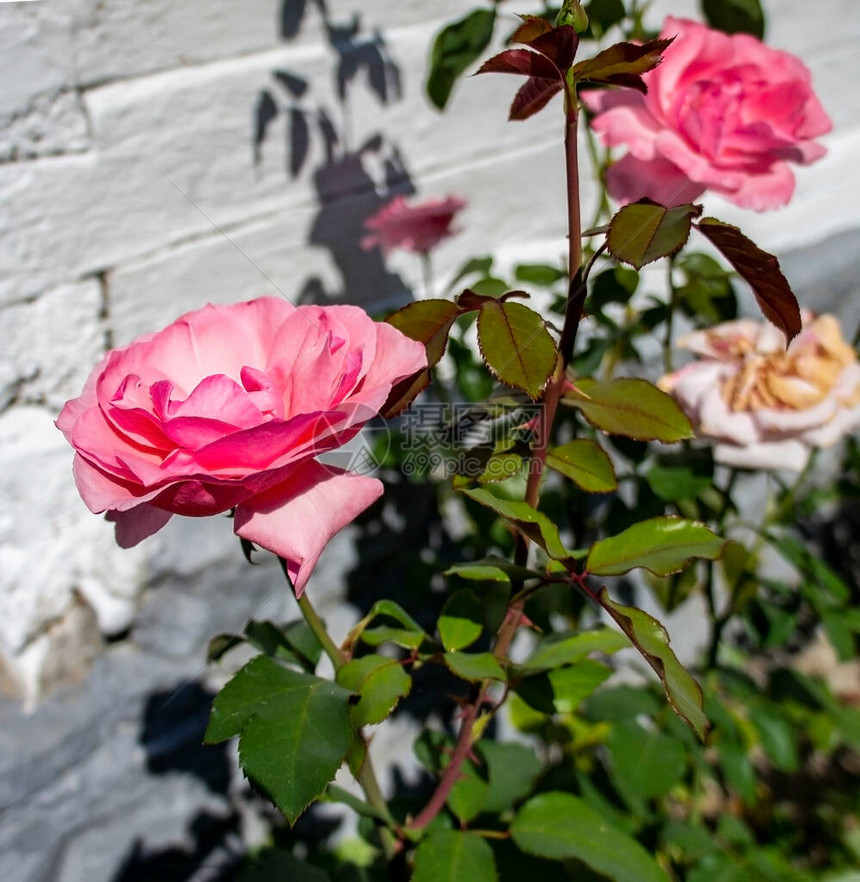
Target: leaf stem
(367,776)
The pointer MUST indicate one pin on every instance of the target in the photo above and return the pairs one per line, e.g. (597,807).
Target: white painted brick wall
(128,195)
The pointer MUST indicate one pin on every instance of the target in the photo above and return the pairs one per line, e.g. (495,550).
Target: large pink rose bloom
(229,407)
(417,228)
(767,407)
(722,113)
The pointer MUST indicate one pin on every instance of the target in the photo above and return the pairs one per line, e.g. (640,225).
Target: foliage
(582,497)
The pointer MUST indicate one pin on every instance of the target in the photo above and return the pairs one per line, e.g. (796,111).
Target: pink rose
(765,406)
(414,228)
(228,408)
(722,113)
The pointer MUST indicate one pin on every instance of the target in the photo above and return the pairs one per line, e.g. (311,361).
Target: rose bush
(418,228)
(229,407)
(767,407)
(722,113)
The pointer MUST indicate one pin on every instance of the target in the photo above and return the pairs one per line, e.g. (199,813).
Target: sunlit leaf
(379,681)
(279,715)
(652,641)
(560,826)
(533,524)
(492,568)
(561,690)
(461,620)
(760,270)
(622,64)
(523,62)
(586,463)
(644,231)
(516,345)
(631,407)
(661,545)
(559,649)
(474,666)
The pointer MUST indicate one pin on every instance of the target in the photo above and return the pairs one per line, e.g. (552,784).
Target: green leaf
(539,274)
(706,294)
(461,620)
(467,796)
(586,463)
(761,272)
(456,47)
(428,322)
(735,16)
(511,770)
(533,524)
(380,681)
(605,13)
(561,690)
(652,641)
(616,285)
(631,407)
(559,649)
(560,826)
(661,545)
(492,568)
(474,666)
(644,231)
(294,730)
(645,765)
(622,65)
(672,483)
(454,856)
(410,636)
(778,738)
(516,345)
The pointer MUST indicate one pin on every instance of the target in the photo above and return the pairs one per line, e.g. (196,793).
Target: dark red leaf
(558,45)
(622,64)
(533,96)
(521,61)
(760,270)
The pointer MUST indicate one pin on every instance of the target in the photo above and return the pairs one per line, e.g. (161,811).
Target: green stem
(367,777)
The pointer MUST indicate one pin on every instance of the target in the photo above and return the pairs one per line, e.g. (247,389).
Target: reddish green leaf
(429,322)
(631,407)
(516,345)
(471,298)
(652,641)
(559,45)
(533,96)
(586,463)
(661,545)
(644,231)
(533,26)
(622,64)
(520,61)
(760,270)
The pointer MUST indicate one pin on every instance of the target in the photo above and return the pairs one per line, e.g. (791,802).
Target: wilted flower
(767,407)
(417,228)
(722,113)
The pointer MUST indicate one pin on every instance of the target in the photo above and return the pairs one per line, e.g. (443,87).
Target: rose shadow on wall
(351,181)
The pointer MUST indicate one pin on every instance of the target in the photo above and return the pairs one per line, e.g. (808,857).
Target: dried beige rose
(767,407)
